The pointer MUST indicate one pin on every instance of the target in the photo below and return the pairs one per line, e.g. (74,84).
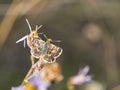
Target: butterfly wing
(34,42)
(36,47)
(53,53)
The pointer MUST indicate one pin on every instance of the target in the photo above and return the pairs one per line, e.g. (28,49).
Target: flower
(80,78)
(19,88)
(34,83)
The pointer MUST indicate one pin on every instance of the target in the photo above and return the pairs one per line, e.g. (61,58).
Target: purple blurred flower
(81,77)
(34,83)
(19,88)
(39,83)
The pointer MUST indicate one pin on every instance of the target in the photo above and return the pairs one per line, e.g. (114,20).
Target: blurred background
(89,31)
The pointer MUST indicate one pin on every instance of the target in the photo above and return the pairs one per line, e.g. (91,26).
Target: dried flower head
(51,73)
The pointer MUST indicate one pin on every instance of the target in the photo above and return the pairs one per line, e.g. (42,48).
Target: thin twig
(39,64)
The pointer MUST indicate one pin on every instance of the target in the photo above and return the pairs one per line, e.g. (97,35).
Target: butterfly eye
(33,34)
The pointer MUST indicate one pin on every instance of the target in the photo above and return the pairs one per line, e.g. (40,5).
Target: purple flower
(19,88)
(39,83)
(34,83)
(81,77)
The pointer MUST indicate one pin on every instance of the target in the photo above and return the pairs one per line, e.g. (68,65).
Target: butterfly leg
(32,60)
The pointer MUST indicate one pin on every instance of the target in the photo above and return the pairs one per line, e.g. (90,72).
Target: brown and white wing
(36,50)
(53,53)
(34,42)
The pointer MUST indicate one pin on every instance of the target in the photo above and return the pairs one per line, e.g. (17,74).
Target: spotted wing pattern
(53,52)
(36,45)
(39,48)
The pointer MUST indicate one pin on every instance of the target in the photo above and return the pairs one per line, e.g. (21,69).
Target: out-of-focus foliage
(5,1)
(89,31)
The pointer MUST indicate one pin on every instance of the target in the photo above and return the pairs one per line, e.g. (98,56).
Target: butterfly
(40,48)
(32,38)
(50,51)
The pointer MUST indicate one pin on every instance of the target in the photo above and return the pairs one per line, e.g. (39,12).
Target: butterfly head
(49,40)
(34,33)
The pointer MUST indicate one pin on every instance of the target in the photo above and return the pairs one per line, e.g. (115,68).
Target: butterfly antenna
(39,27)
(36,27)
(24,43)
(22,39)
(56,41)
(45,36)
(29,25)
